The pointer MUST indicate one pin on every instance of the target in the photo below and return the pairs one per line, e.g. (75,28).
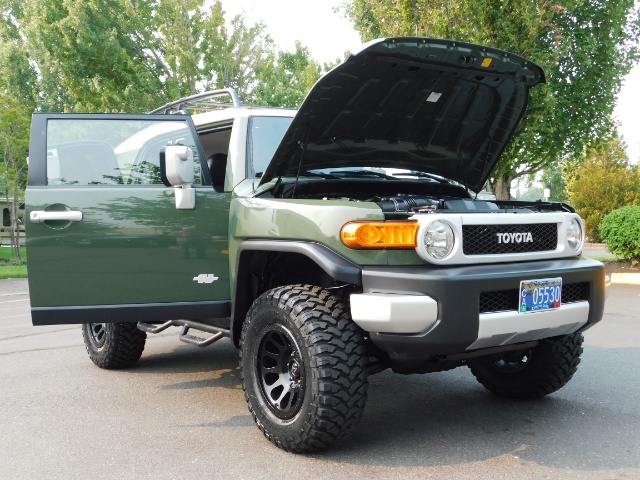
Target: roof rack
(202,102)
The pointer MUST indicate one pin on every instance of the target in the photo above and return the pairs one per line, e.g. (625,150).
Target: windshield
(265,134)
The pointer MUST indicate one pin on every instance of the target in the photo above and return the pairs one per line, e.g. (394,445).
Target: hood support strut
(303,147)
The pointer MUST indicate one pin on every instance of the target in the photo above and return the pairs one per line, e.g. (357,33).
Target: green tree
(14,145)
(232,57)
(122,55)
(605,181)
(532,193)
(553,179)
(585,47)
(286,79)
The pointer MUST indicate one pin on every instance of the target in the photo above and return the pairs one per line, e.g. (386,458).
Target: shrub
(620,230)
(601,183)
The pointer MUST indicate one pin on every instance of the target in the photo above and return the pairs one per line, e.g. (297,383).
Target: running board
(216,332)
(199,341)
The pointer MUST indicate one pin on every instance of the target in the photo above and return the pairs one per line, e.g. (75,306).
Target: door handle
(40,216)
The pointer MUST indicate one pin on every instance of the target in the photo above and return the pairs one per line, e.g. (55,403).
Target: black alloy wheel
(97,334)
(281,372)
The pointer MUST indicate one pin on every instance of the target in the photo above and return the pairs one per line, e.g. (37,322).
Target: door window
(112,152)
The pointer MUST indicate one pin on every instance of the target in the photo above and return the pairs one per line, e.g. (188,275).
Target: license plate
(540,295)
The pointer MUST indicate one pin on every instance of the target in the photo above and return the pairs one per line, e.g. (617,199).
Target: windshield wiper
(422,175)
(319,174)
(306,173)
(362,173)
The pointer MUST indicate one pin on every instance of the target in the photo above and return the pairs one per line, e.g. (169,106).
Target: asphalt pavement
(180,413)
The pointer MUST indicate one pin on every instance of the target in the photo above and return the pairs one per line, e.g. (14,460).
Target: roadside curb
(628,278)
(13,286)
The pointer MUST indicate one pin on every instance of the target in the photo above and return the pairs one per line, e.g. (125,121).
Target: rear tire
(113,345)
(303,363)
(532,373)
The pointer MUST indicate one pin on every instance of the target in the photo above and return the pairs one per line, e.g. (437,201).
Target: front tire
(532,373)
(303,364)
(113,345)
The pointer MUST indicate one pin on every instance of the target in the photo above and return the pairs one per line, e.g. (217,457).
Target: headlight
(574,234)
(438,239)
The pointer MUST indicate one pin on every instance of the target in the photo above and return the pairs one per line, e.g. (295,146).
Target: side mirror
(176,168)
(176,165)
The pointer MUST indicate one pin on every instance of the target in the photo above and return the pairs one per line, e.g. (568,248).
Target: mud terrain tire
(113,345)
(303,363)
(533,373)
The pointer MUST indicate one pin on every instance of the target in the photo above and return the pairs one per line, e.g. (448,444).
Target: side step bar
(216,332)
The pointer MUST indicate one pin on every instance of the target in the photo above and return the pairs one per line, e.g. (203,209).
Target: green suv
(328,243)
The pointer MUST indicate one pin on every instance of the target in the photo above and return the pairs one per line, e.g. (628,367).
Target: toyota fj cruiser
(328,244)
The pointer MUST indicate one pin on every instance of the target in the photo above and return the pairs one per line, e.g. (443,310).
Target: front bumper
(420,311)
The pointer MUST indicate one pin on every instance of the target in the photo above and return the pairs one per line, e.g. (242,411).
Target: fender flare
(327,259)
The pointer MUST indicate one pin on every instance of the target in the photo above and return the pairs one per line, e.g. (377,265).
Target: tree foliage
(604,182)
(585,47)
(553,179)
(14,145)
(117,55)
(286,79)
(532,193)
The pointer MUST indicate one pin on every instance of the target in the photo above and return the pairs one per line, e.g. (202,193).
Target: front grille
(496,239)
(575,292)
(499,301)
(506,300)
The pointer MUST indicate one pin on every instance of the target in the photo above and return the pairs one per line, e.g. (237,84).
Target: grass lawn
(8,269)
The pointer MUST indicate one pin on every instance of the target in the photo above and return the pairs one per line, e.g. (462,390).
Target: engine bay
(402,197)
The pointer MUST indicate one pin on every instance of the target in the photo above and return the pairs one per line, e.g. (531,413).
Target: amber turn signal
(379,234)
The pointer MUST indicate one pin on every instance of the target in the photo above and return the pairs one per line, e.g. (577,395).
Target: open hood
(435,106)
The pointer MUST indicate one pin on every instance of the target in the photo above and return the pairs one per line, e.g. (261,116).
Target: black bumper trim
(457,290)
